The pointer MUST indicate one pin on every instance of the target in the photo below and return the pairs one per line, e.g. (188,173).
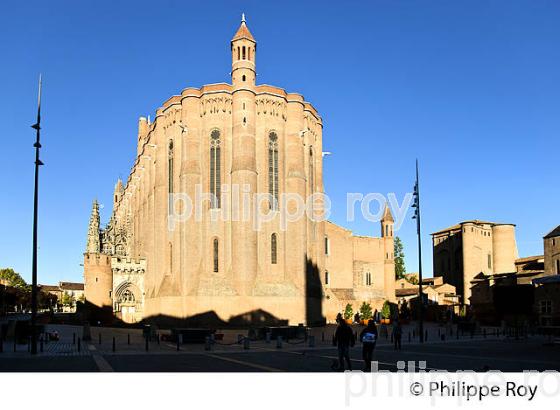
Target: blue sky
(471,88)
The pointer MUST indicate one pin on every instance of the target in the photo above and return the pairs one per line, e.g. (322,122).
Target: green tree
(400,268)
(13,279)
(412,279)
(365,311)
(67,299)
(348,312)
(386,310)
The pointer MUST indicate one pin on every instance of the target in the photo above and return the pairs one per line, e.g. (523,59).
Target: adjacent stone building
(469,248)
(225,142)
(552,252)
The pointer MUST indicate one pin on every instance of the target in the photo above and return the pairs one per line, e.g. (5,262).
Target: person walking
(344,339)
(397,335)
(368,337)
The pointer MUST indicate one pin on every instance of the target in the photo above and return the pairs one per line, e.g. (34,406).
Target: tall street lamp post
(37,145)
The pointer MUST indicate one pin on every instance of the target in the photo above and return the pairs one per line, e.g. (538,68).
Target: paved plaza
(463,353)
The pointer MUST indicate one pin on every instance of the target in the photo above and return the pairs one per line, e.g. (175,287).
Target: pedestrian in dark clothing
(344,339)
(368,337)
(397,335)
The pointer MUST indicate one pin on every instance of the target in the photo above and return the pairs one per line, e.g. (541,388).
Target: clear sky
(471,88)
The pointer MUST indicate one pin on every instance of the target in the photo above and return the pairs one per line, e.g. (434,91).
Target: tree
(400,269)
(348,312)
(67,299)
(365,311)
(412,279)
(386,310)
(13,279)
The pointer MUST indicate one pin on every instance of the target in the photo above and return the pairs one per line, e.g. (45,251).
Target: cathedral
(221,139)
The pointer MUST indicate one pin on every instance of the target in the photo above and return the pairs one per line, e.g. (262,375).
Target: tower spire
(243,17)
(93,243)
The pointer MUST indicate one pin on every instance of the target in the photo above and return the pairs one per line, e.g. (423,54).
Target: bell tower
(244,168)
(243,57)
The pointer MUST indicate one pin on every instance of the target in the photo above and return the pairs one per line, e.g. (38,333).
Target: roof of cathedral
(554,233)
(243,31)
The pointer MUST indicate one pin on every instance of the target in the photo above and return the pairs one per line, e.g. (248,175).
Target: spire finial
(243,17)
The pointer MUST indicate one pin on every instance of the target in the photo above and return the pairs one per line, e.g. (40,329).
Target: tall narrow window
(273,249)
(311,172)
(170,174)
(327,277)
(327,246)
(215,172)
(273,169)
(239,53)
(215,254)
(248,53)
(558,266)
(489,261)
(243,51)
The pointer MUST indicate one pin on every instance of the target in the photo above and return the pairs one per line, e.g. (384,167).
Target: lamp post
(37,145)
(416,205)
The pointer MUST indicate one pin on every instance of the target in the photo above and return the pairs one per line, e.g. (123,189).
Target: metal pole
(37,145)
(419,232)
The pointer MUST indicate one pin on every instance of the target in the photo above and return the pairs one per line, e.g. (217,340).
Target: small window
(558,266)
(327,277)
(216,260)
(327,246)
(368,279)
(243,79)
(243,51)
(273,249)
(546,307)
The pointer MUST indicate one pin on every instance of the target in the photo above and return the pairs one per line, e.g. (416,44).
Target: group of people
(344,339)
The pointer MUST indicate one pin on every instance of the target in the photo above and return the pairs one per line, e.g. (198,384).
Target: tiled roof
(71,286)
(243,32)
(554,233)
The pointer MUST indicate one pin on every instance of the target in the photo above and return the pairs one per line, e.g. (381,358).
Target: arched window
(243,52)
(239,53)
(273,169)
(368,279)
(248,53)
(273,249)
(170,174)
(327,277)
(215,255)
(215,172)
(327,246)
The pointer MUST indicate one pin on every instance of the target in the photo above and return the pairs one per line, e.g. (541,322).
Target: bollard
(391,338)
(322,336)
(279,342)
(99,338)
(15,343)
(29,344)
(73,338)
(128,339)
(207,345)
(246,343)
(114,345)
(457,334)
(158,338)
(408,337)
(79,344)
(41,344)
(311,341)
(267,337)
(439,332)
(413,333)
(147,343)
